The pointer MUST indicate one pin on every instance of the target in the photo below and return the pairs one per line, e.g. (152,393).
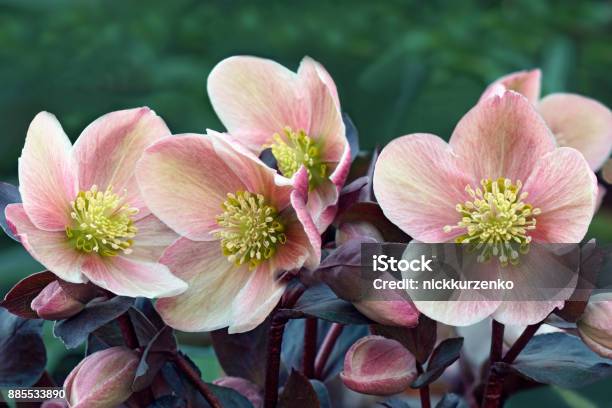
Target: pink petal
(322,204)
(581,123)
(326,125)
(131,277)
(152,239)
(50,248)
(214,283)
(108,149)
(418,184)
(308,66)
(184,182)
(255,98)
(501,137)
(526,83)
(393,311)
(564,188)
(47,180)
(256,299)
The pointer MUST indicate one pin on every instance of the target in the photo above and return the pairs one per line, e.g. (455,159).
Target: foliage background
(400,66)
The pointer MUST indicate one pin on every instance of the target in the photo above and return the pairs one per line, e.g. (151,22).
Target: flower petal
(581,123)
(256,299)
(109,148)
(131,277)
(184,182)
(564,188)
(256,98)
(308,66)
(47,180)
(50,248)
(526,83)
(214,283)
(418,184)
(152,239)
(501,137)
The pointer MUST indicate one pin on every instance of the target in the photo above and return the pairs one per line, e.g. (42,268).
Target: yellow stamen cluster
(250,229)
(294,149)
(497,220)
(102,223)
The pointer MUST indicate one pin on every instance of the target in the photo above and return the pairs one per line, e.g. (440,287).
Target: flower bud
(53,303)
(357,229)
(103,379)
(244,387)
(595,327)
(378,366)
(54,403)
(390,312)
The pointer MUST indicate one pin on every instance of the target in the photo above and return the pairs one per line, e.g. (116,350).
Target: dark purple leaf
(169,401)
(420,340)
(298,392)
(321,302)
(443,356)
(352,135)
(161,347)
(19,298)
(22,351)
(75,330)
(452,401)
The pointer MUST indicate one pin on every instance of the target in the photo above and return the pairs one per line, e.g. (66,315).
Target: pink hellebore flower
(243,225)
(575,120)
(500,180)
(378,366)
(297,115)
(82,215)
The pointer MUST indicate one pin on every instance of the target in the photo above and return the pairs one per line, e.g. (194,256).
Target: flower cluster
(258,229)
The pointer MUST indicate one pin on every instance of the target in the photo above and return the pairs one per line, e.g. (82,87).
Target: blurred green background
(400,66)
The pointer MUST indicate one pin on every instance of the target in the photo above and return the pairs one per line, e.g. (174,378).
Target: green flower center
(250,230)
(102,223)
(294,149)
(497,220)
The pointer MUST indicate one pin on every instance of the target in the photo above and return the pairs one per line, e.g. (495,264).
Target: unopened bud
(53,303)
(244,387)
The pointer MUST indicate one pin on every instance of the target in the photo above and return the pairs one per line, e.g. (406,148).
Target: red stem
(520,343)
(494,386)
(424,391)
(275,340)
(185,367)
(326,348)
(310,346)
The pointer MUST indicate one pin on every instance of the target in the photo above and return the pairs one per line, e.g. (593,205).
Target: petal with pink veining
(418,184)
(152,239)
(184,182)
(564,188)
(255,300)
(526,83)
(581,123)
(131,277)
(47,179)
(501,137)
(308,67)
(255,98)
(50,248)
(108,149)
(214,283)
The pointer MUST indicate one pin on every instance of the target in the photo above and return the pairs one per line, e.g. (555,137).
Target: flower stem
(185,367)
(310,346)
(494,386)
(423,391)
(521,342)
(326,348)
(275,341)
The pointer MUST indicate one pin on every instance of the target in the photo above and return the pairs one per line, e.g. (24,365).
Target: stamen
(250,229)
(294,149)
(102,223)
(497,221)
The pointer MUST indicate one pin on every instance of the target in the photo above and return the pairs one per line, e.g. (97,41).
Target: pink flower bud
(103,379)
(378,366)
(357,229)
(595,327)
(392,312)
(54,403)
(53,303)
(249,390)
